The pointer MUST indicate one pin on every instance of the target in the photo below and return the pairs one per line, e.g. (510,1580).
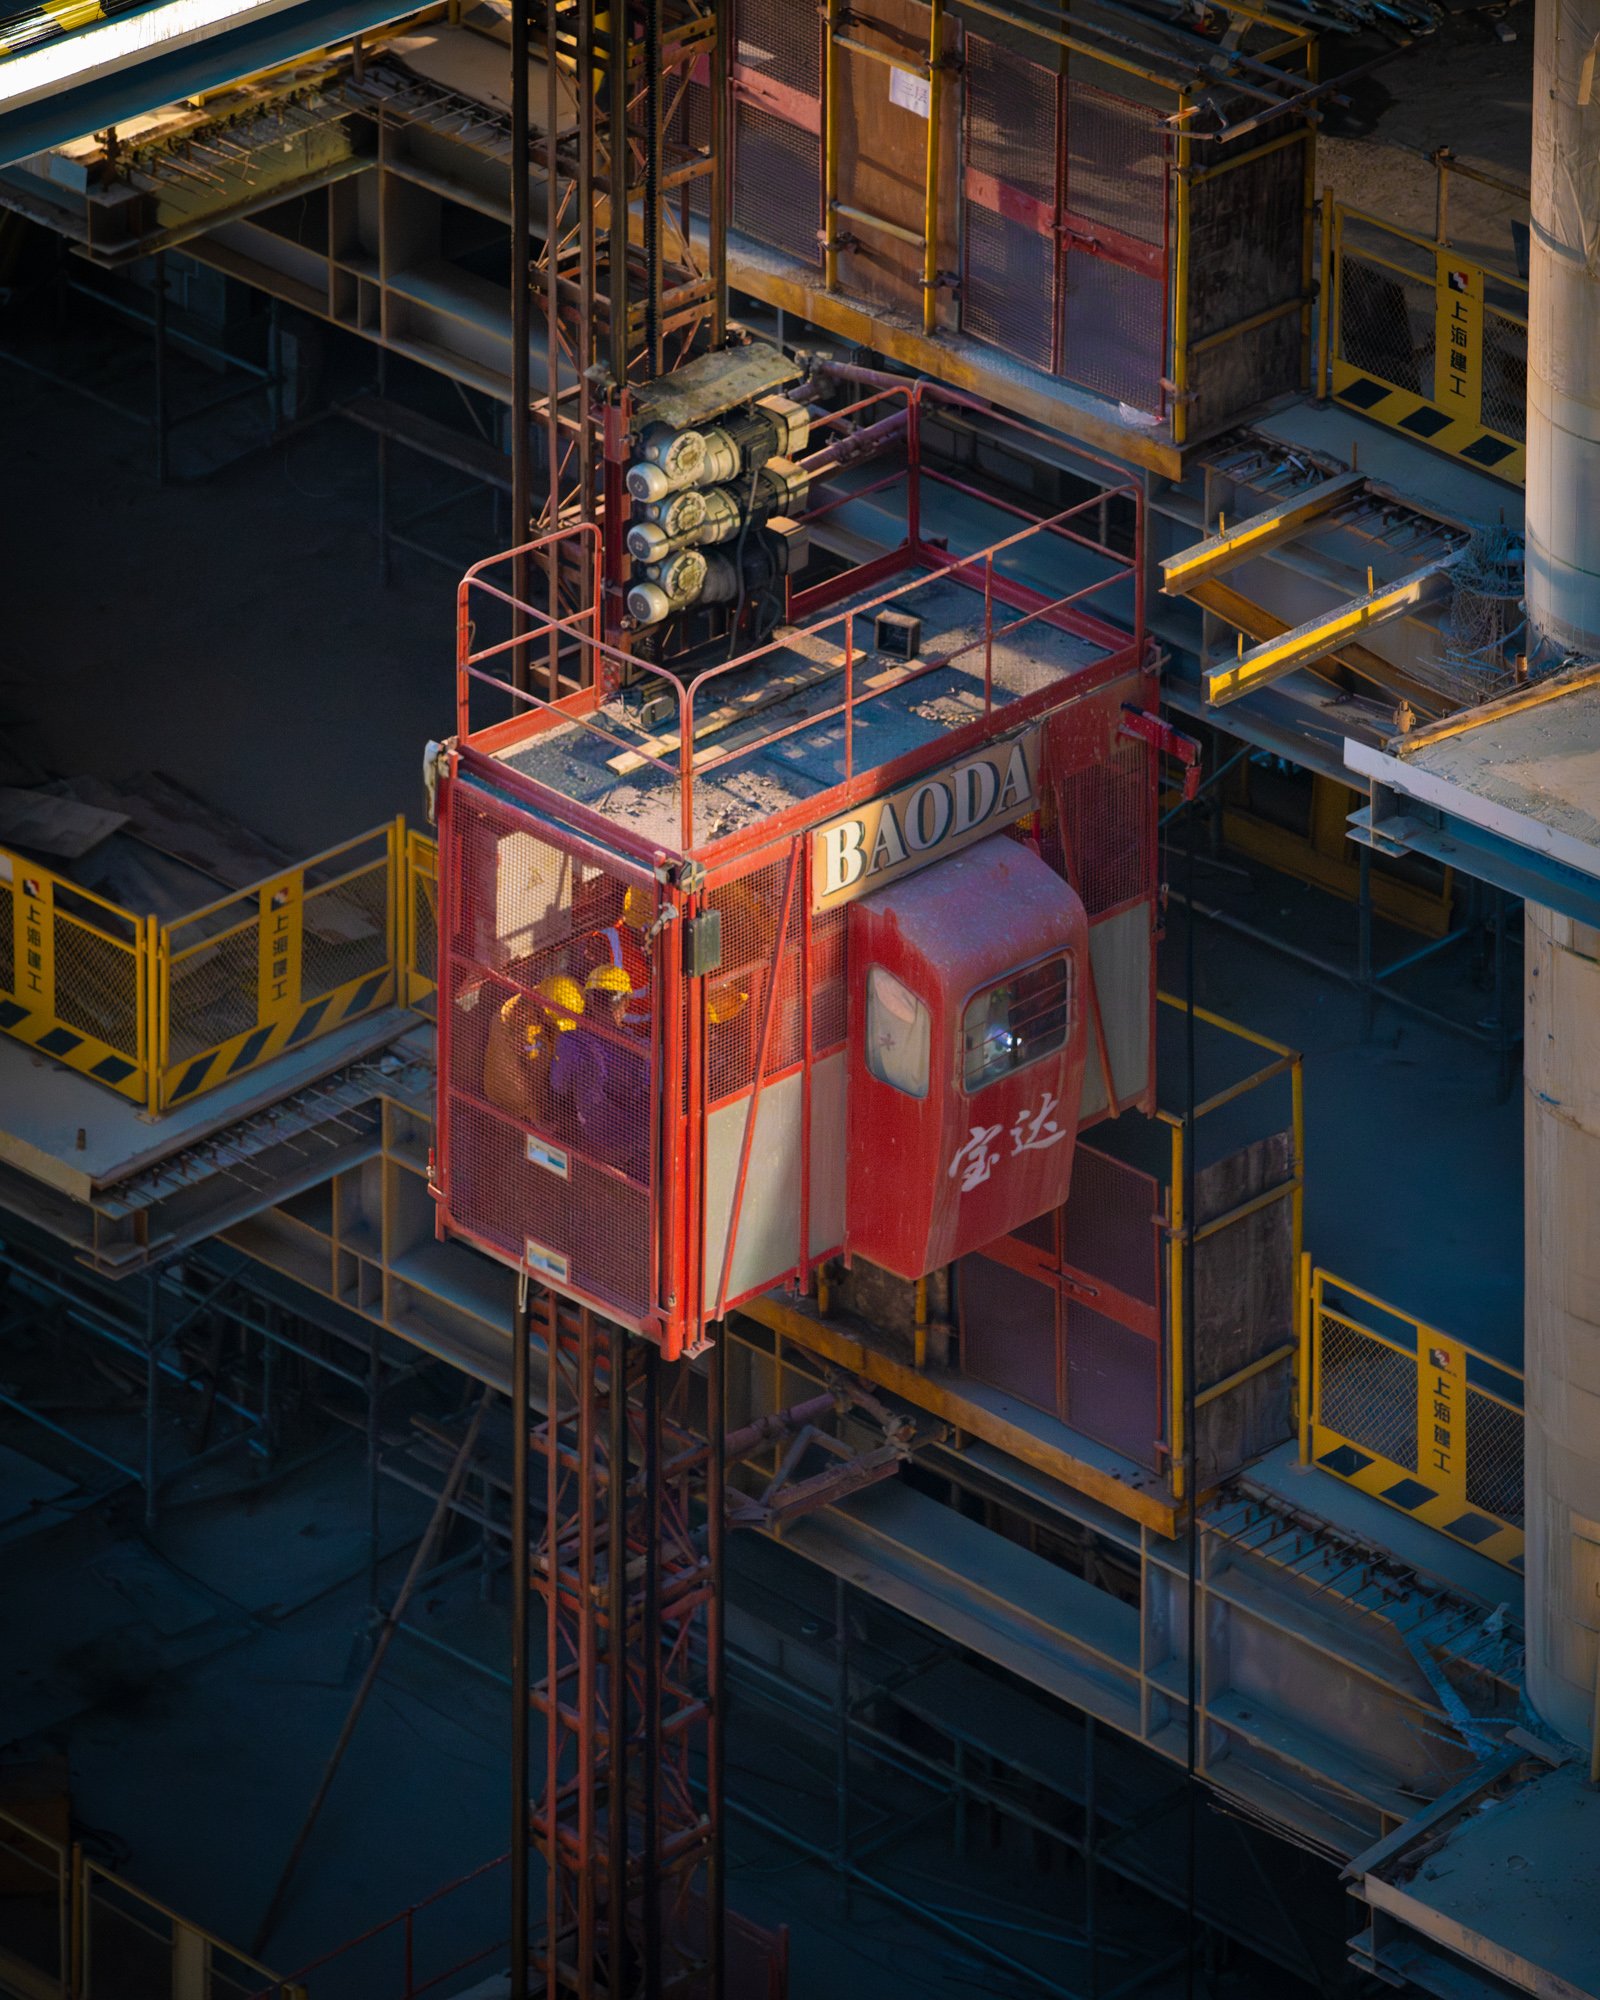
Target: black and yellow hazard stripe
(182,1081)
(1421,418)
(122,1070)
(1432,1504)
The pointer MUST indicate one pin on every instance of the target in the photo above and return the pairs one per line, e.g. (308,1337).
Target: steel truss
(627,286)
(625,1574)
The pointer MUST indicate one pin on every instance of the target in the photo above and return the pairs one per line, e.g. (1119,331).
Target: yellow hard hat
(608,979)
(725,1003)
(562,998)
(637,910)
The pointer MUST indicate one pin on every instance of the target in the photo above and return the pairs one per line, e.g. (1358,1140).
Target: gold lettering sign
(893,836)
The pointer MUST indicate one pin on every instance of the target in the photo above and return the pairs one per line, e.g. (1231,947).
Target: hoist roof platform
(772,734)
(819,710)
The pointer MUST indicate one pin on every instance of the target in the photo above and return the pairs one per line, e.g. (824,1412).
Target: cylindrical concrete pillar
(1561,1069)
(1562,1050)
(1563,522)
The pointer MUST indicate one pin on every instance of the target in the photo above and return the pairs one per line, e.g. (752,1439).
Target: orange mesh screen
(1098,825)
(737,994)
(546,1055)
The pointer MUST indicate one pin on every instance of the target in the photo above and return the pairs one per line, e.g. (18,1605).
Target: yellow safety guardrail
(278,964)
(107,1933)
(75,975)
(420,911)
(162,1013)
(1286,1063)
(1426,341)
(1412,1416)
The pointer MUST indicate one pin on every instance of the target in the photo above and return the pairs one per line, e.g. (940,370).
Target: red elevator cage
(673,1142)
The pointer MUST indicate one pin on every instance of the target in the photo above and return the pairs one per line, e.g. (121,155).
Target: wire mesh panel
(1111,1227)
(1105,818)
(278,965)
(1429,342)
(73,975)
(1417,1419)
(1505,371)
(751,909)
(1113,1383)
(1113,330)
(1009,1333)
(1027,1325)
(97,973)
(777,142)
(1494,1457)
(1368,1390)
(1009,260)
(1114,277)
(1116,166)
(548,1063)
(1386,323)
(777,183)
(422,933)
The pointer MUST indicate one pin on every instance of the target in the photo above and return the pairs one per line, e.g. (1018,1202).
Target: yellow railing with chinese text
(1412,1416)
(75,975)
(278,964)
(1426,341)
(163,1013)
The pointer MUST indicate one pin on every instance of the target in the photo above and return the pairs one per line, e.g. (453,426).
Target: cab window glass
(1013,1023)
(897,1033)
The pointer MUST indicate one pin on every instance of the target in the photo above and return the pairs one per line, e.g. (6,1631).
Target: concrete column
(1562,1337)
(1563,311)
(1562,1050)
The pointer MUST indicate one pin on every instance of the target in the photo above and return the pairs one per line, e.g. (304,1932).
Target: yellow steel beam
(1260,532)
(1226,603)
(940,1395)
(1319,637)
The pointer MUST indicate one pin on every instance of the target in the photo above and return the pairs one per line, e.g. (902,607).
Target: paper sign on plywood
(911,93)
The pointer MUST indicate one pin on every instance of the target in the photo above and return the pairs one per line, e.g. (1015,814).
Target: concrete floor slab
(1512,1887)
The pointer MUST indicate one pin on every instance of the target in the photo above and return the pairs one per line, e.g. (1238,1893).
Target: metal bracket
(1171,742)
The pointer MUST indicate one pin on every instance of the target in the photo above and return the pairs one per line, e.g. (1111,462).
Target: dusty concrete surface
(1463,88)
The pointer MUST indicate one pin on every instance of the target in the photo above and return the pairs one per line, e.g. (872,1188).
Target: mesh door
(777,147)
(1114,279)
(1008,277)
(547,1143)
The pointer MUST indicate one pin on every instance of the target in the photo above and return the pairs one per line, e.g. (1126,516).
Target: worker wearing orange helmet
(523,1039)
(623,947)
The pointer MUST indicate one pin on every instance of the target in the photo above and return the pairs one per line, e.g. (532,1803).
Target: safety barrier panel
(1426,341)
(275,965)
(77,1931)
(1412,1416)
(75,975)
(165,1012)
(419,907)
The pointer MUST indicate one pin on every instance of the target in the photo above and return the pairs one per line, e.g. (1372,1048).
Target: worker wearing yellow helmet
(522,1045)
(623,947)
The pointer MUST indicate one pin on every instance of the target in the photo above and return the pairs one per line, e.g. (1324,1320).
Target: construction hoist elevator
(791,909)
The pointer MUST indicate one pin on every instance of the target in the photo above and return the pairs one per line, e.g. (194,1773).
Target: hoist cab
(829,950)
(967,1043)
